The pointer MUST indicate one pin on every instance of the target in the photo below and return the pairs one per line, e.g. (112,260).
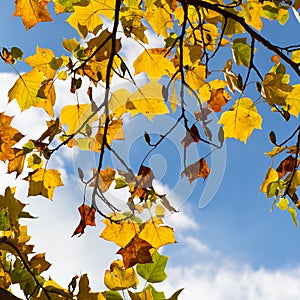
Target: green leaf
(120,183)
(112,295)
(16,53)
(71,45)
(155,294)
(4,222)
(241,52)
(155,271)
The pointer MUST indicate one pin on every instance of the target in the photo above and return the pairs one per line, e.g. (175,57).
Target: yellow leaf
(117,102)
(276,150)
(75,115)
(148,100)
(295,182)
(43,182)
(32,12)
(293,100)
(158,15)
(251,12)
(271,176)
(157,234)
(241,120)
(120,233)
(88,16)
(40,61)
(48,96)
(118,278)
(283,203)
(195,76)
(34,161)
(26,88)
(85,292)
(154,63)
(293,214)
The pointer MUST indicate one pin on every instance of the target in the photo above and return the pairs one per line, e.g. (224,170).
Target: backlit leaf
(293,214)
(136,252)
(154,63)
(155,271)
(293,100)
(241,52)
(85,292)
(274,90)
(121,232)
(195,76)
(286,166)
(26,88)
(271,176)
(148,100)
(105,178)
(87,218)
(156,234)
(240,121)
(198,169)
(118,278)
(39,263)
(43,182)
(32,12)
(283,203)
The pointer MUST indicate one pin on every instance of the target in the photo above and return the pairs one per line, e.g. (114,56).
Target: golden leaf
(156,234)
(195,76)
(43,182)
(32,12)
(241,120)
(118,278)
(154,63)
(120,233)
(271,176)
(105,178)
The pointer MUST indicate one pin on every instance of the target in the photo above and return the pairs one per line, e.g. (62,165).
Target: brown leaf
(196,170)
(217,99)
(7,57)
(136,251)
(192,135)
(286,166)
(202,114)
(145,177)
(87,215)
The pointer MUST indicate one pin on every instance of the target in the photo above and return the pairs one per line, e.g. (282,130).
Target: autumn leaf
(196,170)
(286,166)
(241,120)
(118,278)
(158,15)
(155,271)
(16,164)
(195,76)
(145,177)
(9,136)
(154,63)
(32,12)
(43,182)
(271,176)
(25,89)
(283,203)
(39,263)
(293,100)
(87,215)
(156,234)
(241,51)
(214,94)
(12,206)
(85,292)
(136,252)
(252,12)
(41,60)
(148,100)
(274,90)
(75,115)
(105,178)
(121,232)
(192,135)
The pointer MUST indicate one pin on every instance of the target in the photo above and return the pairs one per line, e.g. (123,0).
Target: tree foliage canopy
(196,36)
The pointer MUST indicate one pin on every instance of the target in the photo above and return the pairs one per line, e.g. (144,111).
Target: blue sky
(233,244)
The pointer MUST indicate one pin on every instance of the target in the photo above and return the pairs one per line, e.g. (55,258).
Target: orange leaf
(137,251)
(286,166)
(217,99)
(196,170)
(87,215)
(275,58)
(191,136)
(7,57)
(32,12)
(105,178)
